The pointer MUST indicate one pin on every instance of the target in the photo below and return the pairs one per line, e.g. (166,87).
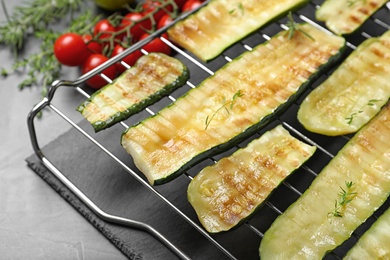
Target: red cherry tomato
(137,27)
(164,21)
(70,49)
(92,46)
(191,5)
(103,29)
(180,3)
(156,45)
(151,6)
(129,59)
(93,61)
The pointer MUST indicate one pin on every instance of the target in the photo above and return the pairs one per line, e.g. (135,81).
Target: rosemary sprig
(370,103)
(227,105)
(34,17)
(346,196)
(293,27)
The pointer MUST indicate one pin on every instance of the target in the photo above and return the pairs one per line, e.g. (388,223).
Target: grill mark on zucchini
(262,99)
(152,77)
(343,103)
(305,228)
(343,18)
(374,244)
(230,191)
(215,27)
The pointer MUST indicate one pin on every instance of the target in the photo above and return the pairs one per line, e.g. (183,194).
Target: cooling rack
(281,198)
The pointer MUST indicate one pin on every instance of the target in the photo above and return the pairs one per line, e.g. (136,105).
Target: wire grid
(292,185)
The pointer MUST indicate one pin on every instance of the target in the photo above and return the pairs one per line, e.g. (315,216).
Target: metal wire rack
(282,197)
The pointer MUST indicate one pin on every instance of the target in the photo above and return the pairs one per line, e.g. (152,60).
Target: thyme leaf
(293,27)
(345,197)
(370,103)
(352,2)
(227,105)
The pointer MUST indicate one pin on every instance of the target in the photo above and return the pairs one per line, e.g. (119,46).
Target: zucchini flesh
(228,192)
(305,229)
(374,244)
(221,23)
(152,77)
(344,17)
(353,94)
(269,77)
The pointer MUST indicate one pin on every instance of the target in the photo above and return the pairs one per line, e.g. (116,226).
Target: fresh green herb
(34,17)
(370,103)
(227,105)
(240,7)
(293,27)
(42,67)
(352,2)
(346,196)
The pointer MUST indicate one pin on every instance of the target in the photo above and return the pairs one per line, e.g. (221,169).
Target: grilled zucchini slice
(358,176)
(228,192)
(153,76)
(344,17)
(374,244)
(353,94)
(221,23)
(236,101)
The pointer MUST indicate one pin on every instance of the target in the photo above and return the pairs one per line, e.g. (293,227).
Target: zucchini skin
(167,144)
(344,17)
(374,244)
(221,23)
(138,87)
(305,229)
(353,94)
(229,192)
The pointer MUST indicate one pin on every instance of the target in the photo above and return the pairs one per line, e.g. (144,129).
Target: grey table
(35,222)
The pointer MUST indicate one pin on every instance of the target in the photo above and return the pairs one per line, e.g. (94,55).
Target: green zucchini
(240,98)
(228,192)
(344,17)
(152,77)
(348,190)
(374,244)
(353,94)
(221,23)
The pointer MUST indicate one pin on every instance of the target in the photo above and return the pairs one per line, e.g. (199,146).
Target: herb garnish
(293,27)
(370,103)
(225,105)
(346,196)
(239,7)
(352,2)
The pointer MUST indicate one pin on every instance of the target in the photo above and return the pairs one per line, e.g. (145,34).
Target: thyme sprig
(293,27)
(346,196)
(227,105)
(370,103)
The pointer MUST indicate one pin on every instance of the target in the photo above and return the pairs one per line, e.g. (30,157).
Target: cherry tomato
(151,6)
(180,3)
(129,59)
(93,61)
(137,29)
(104,29)
(156,45)
(70,49)
(191,5)
(92,46)
(164,21)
